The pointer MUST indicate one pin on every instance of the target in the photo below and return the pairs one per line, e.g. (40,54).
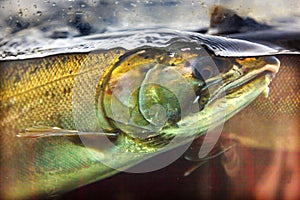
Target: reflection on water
(263,174)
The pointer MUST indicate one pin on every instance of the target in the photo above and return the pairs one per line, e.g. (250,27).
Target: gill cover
(150,89)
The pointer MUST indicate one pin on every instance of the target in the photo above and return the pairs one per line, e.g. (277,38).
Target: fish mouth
(229,98)
(262,75)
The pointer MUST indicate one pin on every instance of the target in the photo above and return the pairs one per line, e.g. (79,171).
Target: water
(265,162)
(39,26)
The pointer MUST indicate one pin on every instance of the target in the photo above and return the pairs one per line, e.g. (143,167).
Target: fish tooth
(266,92)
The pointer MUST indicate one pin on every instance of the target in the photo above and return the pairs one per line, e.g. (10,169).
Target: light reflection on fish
(79,94)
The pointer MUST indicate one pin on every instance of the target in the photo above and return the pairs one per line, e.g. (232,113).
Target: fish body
(80,91)
(40,91)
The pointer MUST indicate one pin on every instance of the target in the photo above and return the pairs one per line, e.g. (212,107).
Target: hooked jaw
(273,67)
(267,68)
(247,72)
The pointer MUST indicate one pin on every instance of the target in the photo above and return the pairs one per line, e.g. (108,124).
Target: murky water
(264,163)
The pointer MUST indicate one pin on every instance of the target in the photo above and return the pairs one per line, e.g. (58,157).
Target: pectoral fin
(45,131)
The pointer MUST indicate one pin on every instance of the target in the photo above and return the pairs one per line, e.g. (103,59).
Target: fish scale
(40,97)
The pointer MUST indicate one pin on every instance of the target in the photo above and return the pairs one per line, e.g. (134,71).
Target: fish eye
(207,72)
(203,69)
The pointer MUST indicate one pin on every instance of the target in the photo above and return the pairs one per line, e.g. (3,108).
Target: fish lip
(269,70)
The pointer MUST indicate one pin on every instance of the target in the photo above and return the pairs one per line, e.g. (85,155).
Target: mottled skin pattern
(48,85)
(41,92)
